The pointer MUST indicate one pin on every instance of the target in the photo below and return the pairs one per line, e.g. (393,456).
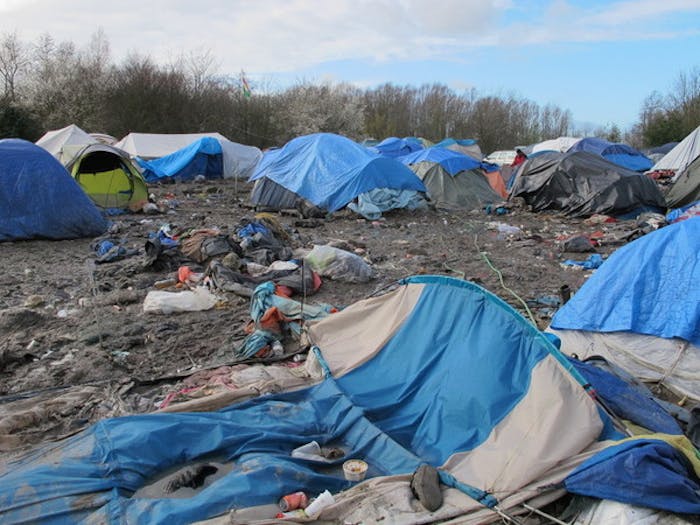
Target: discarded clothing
(594,261)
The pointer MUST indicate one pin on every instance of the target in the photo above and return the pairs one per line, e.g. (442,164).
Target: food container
(355,469)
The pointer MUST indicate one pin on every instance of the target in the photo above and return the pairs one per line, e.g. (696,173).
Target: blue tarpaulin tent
(395,147)
(452,161)
(329,171)
(39,198)
(649,286)
(202,157)
(615,152)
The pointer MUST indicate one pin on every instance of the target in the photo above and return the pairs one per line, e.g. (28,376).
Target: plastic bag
(338,264)
(159,302)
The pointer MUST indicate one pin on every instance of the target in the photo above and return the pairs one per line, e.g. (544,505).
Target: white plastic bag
(158,302)
(338,264)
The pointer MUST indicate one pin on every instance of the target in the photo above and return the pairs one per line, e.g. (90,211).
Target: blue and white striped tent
(436,371)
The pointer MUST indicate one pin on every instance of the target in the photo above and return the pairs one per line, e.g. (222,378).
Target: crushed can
(294,501)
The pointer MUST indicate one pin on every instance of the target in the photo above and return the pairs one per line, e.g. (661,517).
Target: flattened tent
(582,184)
(39,199)
(65,143)
(202,157)
(239,160)
(108,177)
(454,180)
(615,152)
(641,309)
(437,371)
(685,152)
(327,170)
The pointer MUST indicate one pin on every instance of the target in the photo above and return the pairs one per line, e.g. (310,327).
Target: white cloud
(267,36)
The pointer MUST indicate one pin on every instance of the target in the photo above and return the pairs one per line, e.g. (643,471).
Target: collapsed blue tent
(202,157)
(438,371)
(395,147)
(39,198)
(327,170)
(615,152)
(650,286)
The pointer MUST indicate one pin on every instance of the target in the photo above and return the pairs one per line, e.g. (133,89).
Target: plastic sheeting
(640,471)
(202,157)
(330,171)
(686,188)
(239,160)
(395,147)
(582,184)
(39,199)
(467,190)
(648,287)
(618,153)
(685,152)
(451,161)
(66,142)
(373,203)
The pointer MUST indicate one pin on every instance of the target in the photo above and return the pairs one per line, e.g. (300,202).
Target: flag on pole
(245,86)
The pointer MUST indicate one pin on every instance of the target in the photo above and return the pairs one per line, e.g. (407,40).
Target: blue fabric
(39,198)
(650,286)
(453,370)
(620,154)
(373,203)
(446,143)
(676,213)
(202,157)
(593,261)
(395,147)
(645,472)
(330,171)
(452,161)
(630,402)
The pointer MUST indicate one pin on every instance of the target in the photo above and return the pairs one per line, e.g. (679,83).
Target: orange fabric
(496,182)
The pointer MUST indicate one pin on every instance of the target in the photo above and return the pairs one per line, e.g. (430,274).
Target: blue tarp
(645,472)
(650,286)
(202,157)
(395,147)
(330,171)
(397,410)
(446,143)
(452,161)
(618,153)
(39,198)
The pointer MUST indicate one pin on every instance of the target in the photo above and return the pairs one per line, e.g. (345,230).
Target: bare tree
(13,61)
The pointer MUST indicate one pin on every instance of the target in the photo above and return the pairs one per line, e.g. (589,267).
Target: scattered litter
(355,469)
(594,261)
(172,302)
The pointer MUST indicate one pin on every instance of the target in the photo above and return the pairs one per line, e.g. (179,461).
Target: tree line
(48,85)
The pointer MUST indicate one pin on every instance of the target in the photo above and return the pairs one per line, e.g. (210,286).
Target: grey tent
(582,184)
(465,190)
(686,189)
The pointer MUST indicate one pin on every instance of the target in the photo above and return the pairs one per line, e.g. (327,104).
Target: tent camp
(582,184)
(329,171)
(39,199)
(453,180)
(482,394)
(239,160)
(467,146)
(395,147)
(686,186)
(617,153)
(202,157)
(66,142)
(560,144)
(641,309)
(685,152)
(108,177)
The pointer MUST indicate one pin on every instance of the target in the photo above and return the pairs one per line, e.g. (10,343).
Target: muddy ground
(75,341)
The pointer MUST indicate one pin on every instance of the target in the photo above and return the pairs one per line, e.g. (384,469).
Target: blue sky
(599,59)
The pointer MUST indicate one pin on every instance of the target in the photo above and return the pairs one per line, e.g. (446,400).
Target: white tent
(685,152)
(239,160)
(66,142)
(561,144)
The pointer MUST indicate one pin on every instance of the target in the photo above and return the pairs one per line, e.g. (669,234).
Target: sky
(598,59)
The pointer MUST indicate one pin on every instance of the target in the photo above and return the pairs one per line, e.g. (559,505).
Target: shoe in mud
(425,485)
